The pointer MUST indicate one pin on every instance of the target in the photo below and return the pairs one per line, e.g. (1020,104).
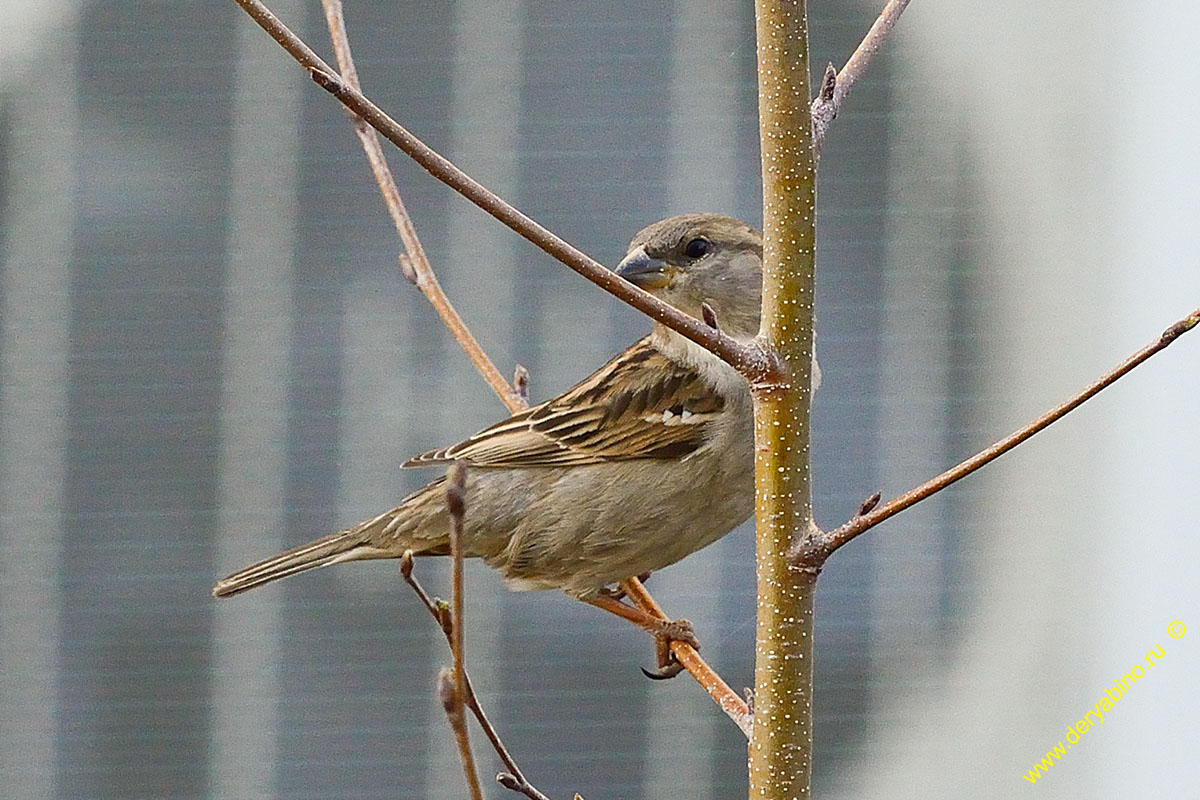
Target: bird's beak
(643,271)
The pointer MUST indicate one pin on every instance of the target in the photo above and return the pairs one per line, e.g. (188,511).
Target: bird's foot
(675,630)
(664,632)
(669,666)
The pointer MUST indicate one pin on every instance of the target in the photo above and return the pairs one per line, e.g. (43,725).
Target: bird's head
(701,258)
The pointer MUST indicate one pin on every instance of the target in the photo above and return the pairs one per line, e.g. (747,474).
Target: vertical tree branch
(456,487)
(513,779)
(452,703)
(453,688)
(781,747)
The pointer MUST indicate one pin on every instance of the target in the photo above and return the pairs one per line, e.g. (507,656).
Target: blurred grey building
(208,355)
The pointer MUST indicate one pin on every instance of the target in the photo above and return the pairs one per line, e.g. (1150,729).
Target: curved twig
(812,550)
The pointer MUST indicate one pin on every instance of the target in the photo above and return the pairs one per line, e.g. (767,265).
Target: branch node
(766,371)
(835,86)
(445,616)
(1179,328)
(710,316)
(521,383)
(869,504)
(448,694)
(407,269)
(810,552)
(828,84)
(519,785)
(456,491)
(452,703)
(327,80)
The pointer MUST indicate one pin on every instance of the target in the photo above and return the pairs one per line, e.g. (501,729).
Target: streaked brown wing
(639,405)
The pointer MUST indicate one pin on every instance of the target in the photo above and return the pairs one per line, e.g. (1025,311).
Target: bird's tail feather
(381,537)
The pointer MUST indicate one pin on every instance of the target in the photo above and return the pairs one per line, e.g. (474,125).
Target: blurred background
(208,355)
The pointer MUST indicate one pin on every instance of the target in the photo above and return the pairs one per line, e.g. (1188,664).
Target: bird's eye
(697,247)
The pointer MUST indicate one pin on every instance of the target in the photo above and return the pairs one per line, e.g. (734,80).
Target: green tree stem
(781,747)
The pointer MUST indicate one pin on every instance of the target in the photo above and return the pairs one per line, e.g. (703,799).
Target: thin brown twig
(452,704)
(725,697)
(837,85)
(456,488)
(416,269)
(522,786)
(513,779)
(452,685)
(751,360)
(414,264)
(812,550)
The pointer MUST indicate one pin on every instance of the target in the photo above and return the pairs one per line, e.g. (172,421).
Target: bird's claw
(665,672)
(679,630)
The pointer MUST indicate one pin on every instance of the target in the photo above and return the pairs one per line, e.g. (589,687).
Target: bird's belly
(602,523)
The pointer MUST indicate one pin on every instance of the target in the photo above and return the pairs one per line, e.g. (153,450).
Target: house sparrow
(644,462)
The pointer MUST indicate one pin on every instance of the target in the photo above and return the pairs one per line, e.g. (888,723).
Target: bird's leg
(669,664)
(619,593)
(664,632)
(616,593)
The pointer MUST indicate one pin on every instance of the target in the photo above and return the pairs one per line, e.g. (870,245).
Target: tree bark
(781,747)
